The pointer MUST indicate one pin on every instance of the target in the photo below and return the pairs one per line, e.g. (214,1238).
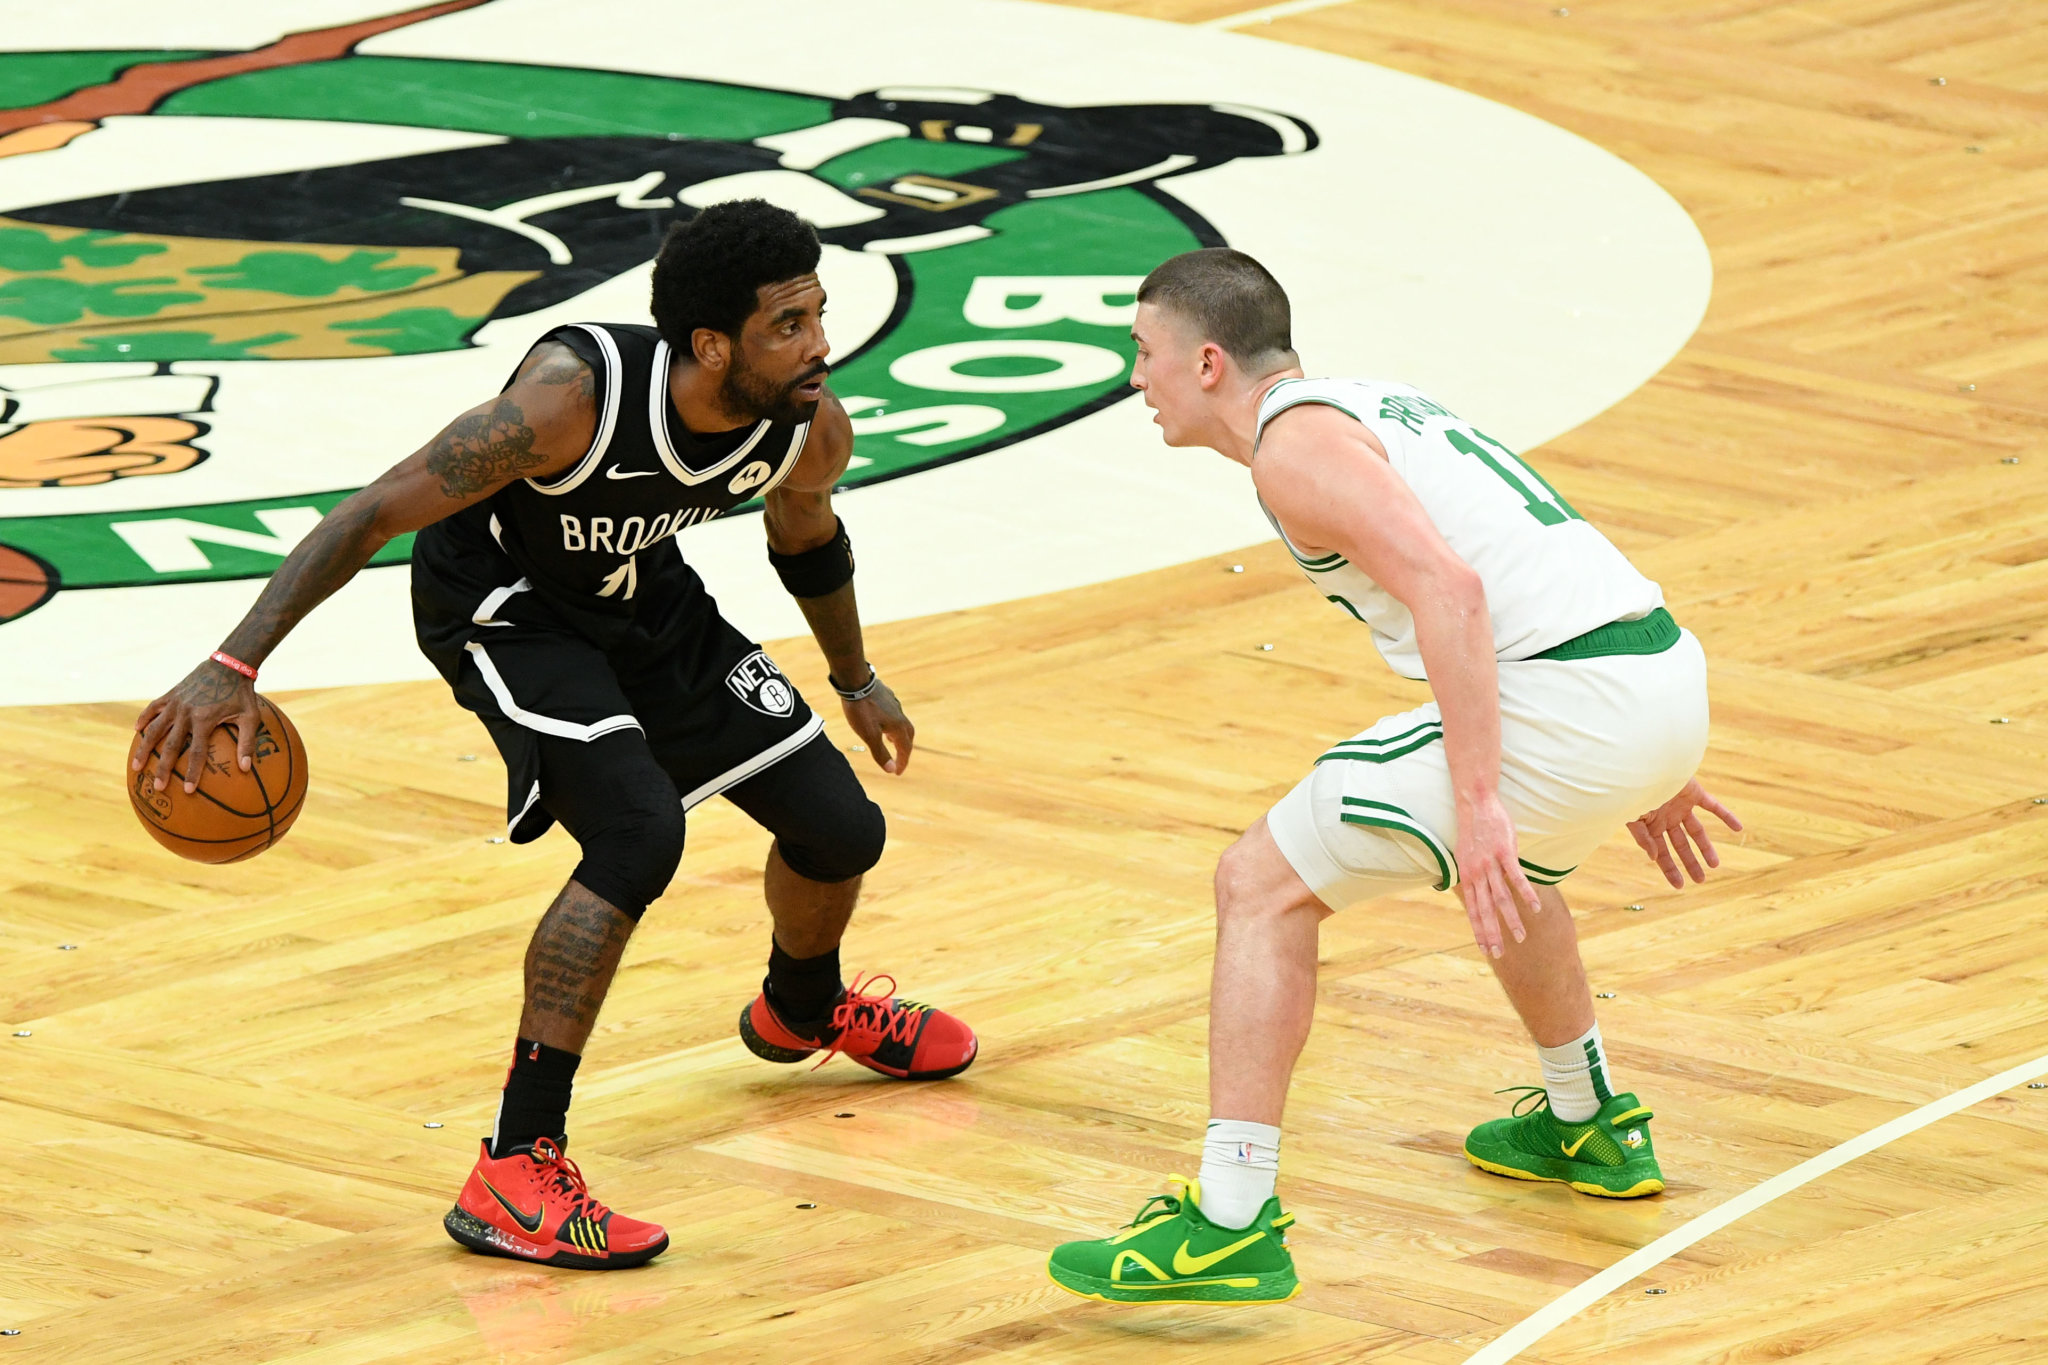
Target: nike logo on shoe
(1571,1149)
(529,1221)
(617,473)
(1184,1264)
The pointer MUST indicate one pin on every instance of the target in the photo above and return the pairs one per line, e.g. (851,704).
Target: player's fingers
(1639,830)
(1700,840)
(195,756)
(1668,864)
(1683,846)
(1504,901)
(151,732)
(1485,931)
(245,737)
(1727,816)
(902,736)
(167,750)
(871,737)
(1518,882)
(1482,930)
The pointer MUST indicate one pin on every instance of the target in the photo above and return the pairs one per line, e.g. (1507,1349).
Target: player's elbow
(1455,590)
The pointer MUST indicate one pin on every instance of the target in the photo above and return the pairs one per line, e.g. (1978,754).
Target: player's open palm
(879,716)
(1674,828)
(181,721)
(1490,878)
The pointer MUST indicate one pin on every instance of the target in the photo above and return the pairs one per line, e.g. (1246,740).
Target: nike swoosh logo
(617,473)
(1184,1264)
(529,1221)
(1571,1149)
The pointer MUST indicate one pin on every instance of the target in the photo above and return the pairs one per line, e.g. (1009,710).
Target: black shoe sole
(762,1048)
(472,1232)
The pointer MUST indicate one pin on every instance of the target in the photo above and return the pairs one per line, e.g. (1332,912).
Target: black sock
(536,1099)
(802,989)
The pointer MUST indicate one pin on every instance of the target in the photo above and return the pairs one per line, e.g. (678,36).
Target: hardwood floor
(217,1140)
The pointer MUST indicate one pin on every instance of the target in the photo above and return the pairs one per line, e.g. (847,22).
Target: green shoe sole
(1635,1180)
(1275,1287)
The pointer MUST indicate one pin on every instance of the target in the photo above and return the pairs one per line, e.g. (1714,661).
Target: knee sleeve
(838,847)
(624,811)
(824,825)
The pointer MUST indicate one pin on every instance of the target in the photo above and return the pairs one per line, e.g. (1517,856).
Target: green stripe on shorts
(1544,876)
(1384,816)
(1384,755)
(1374,750)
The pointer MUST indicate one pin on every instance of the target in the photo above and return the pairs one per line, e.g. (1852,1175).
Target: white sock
(1575,1074)
(1240,1162)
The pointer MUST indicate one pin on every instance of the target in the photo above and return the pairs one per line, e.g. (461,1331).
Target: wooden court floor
(216,1139)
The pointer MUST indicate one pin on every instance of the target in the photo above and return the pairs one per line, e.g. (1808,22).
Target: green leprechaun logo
(1011,232)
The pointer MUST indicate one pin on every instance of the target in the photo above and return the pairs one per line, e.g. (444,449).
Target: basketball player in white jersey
(1567,703)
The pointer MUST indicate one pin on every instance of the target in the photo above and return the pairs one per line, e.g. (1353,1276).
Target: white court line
(1543,1321)
(1266,14)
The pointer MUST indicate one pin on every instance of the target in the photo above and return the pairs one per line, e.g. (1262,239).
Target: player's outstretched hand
(182,720)
(1672,828)
(1490,879)
(880,715)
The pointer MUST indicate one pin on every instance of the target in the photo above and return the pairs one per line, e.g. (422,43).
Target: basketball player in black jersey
(548,592)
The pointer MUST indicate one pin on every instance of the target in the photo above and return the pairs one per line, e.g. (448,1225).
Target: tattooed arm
(540,425)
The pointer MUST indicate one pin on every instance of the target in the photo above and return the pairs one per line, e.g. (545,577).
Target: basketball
(234,814)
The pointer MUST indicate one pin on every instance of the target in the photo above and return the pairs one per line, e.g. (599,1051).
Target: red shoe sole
(477,1235)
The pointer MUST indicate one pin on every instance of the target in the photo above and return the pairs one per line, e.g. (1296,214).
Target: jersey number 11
(1551,510)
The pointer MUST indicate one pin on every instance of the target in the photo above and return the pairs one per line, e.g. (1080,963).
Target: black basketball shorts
(714,708)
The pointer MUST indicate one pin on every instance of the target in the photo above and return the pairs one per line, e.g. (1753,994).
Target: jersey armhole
(798,438)
(1328,401)
(607,373)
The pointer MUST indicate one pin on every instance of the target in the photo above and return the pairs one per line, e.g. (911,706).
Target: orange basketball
(234,814)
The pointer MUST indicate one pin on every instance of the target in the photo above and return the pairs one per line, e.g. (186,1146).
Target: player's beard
(748,390)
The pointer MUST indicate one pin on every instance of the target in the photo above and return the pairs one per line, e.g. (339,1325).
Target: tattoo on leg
(573,955)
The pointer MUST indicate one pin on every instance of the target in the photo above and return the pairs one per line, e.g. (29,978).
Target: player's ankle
(803,990)
(1575,1076)
(1240,1164)
(536,1099)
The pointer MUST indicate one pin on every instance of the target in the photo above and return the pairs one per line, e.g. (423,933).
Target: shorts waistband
(1652,634)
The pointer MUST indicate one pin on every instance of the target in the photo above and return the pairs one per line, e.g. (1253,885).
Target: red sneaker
(899,1038)
(537,1208)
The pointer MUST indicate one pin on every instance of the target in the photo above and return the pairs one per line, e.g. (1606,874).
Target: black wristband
(817,572)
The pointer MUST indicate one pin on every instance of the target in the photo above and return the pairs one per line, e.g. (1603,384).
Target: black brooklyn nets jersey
(591,548)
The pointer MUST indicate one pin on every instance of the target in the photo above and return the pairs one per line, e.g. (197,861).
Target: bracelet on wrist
(230,661)
(861,693)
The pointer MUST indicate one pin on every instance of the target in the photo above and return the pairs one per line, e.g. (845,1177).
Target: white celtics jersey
(1549,576)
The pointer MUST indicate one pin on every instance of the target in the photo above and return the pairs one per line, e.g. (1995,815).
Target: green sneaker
(1609,1154)
(1170,1253)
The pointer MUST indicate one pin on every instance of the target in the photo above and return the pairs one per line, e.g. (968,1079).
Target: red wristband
(230,661)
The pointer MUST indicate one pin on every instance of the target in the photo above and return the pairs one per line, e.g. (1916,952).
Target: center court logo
(243,274)
(1008,236)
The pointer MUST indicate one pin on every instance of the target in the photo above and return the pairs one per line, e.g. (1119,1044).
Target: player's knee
(838,848)
(630,858)
(1236,896)
(1253,882)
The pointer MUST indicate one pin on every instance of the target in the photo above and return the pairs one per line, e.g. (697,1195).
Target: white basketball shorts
(1586,746)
